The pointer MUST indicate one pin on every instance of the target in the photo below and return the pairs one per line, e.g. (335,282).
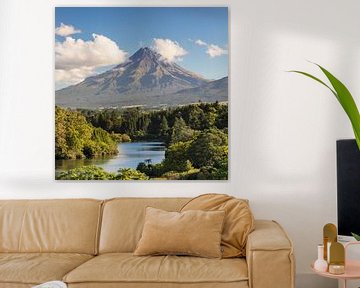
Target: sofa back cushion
(123,220)
(238,224)
(66,226)
(193,232)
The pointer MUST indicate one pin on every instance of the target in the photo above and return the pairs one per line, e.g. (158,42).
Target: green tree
(164,126)
(196,115)
(210,147)
(176,157)
(100,144)
(180,131)
(151,170)
(222,118)
(75,138)
(217,172)
(210,118)
(71,133)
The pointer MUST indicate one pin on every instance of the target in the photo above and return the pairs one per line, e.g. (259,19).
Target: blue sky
(131,28)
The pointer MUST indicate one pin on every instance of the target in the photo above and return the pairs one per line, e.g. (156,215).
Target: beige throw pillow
(238,223)
(194,232)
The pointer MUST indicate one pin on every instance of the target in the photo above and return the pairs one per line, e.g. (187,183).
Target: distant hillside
(145,79)
(209,92)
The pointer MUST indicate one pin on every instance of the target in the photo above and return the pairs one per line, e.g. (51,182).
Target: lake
(130,155)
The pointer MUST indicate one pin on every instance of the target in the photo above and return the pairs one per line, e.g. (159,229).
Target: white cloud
(76,59)
(211,49)
(215,51)
(64,78)
(201,43)
(101,51)
(170,50)
(66,30)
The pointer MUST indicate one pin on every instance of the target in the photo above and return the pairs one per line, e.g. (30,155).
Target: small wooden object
(330,236)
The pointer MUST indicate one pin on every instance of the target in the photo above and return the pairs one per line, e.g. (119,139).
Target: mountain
(145,79)
(209,92)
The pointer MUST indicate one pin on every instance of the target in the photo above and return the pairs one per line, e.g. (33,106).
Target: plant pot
(348,187)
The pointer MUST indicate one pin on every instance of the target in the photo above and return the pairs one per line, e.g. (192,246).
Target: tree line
(139,123)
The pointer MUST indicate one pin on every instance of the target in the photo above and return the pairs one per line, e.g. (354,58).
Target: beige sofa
(89,243)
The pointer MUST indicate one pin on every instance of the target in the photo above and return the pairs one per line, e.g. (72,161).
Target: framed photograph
(141,93)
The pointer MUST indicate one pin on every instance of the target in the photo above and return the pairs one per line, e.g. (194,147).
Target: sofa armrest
(269,256)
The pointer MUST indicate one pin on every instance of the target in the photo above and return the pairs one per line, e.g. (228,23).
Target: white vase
(320,264)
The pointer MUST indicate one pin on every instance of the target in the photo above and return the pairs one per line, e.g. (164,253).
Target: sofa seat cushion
(15,285)
(127,268)
(36,268)
(242,284)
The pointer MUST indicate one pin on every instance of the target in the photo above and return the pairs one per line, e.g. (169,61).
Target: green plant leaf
(344,97)
(347,102)
(356,236)
(316,79)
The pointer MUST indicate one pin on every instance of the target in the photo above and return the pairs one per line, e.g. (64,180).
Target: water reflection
(130,154)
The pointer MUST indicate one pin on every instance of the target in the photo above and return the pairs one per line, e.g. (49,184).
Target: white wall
(283,126)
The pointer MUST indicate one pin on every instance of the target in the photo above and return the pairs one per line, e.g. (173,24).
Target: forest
(195,136)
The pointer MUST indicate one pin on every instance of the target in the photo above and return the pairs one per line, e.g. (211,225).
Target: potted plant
(343,95)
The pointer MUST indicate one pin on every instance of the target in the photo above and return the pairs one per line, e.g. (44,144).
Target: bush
(86,173)
(151,170)
(97,173)
(176,157)
(181,132)
(188,175)
(130,174)
(125,138)
(120,138)
(210,147)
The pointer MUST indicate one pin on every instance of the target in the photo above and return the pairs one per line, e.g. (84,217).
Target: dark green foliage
(144,168)
(151,170)
(139,123)
(130,174)
(97,173)
(181,132)
(209,148)
(222,117)
(208,153)
(75,138)
(86,173)
(164,127)
(196,118)
(176,158)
